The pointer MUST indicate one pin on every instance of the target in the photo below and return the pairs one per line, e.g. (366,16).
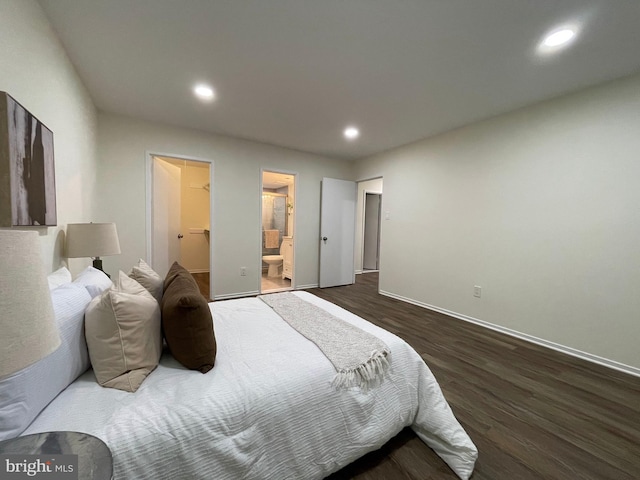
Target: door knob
(324,239)
(180,235)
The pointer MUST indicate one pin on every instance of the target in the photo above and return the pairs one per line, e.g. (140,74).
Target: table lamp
(93,240)
(28,330)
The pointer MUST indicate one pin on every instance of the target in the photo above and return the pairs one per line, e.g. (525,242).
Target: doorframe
(149,156)
(295,221)
(362,214)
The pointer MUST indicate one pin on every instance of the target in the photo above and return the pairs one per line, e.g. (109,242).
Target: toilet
(274,262)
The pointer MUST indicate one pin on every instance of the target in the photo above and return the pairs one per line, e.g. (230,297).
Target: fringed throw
(360,358)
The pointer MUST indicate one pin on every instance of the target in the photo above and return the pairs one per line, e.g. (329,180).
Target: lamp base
(97,263)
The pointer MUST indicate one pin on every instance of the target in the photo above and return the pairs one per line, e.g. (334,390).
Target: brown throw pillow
(187,324)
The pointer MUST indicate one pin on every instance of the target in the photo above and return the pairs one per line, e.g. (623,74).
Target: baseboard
(228,296)
(305,287)
(605,362)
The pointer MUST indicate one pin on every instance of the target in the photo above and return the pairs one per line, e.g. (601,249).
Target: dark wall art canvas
(27,173)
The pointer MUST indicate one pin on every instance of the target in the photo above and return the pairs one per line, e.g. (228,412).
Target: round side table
(94,457)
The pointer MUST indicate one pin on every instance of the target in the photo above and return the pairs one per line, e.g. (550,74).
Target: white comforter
(266,411)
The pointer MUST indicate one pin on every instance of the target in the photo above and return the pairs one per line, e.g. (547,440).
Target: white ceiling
(295,72)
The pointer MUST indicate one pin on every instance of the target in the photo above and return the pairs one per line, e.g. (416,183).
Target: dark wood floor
(202,279)
(532,412)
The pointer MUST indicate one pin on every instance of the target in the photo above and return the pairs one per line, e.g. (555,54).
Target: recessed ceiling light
(204,92)
(351,133)
(557,39)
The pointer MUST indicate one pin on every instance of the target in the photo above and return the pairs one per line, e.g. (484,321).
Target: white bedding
(266,410)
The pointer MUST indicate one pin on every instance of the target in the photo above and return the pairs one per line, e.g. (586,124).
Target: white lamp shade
(28,331)
(92,240)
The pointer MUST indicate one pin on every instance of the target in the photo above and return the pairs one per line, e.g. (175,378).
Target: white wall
(364,187)
(539,207)
(236,232)
(35,70)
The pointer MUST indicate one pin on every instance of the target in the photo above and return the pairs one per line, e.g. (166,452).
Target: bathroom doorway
(180,217)
(277,240)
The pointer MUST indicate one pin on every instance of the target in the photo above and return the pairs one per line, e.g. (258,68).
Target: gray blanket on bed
(360,358)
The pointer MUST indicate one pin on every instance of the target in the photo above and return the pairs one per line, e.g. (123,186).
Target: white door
(337,232)
(165,216)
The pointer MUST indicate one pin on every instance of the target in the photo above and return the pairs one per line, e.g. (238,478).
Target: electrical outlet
(477,291)
(243,271)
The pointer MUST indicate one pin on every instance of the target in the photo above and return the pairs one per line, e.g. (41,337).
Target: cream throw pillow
(148,278)
(122,327)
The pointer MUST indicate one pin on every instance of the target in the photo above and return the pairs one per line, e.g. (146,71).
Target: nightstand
(94,457)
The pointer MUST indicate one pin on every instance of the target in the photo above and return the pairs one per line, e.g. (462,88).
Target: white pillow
(123,334)
(24,394)
(59,277)
(94,280)
(148,278)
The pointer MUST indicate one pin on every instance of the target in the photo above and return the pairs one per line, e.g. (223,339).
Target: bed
(266,410)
